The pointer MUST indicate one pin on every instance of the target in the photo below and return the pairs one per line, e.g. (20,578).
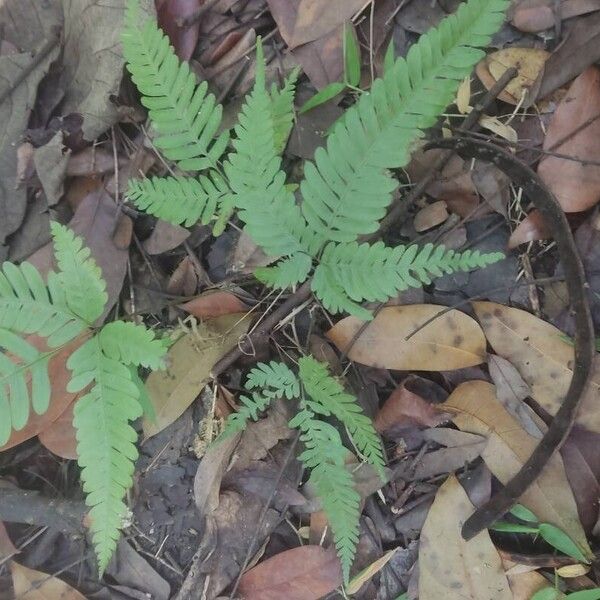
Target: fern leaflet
(105,439)
(186,117)
(325,455)
(275,378)
(265,204)
(282,107)
(347,190)
(287,272)
(328,397)
(376,272)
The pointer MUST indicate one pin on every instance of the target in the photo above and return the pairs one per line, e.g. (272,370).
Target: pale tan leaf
(509,446)
(451,567)
(190,360)
(357,582)
(431,216)
(452,341)
(29,584)
(542,356)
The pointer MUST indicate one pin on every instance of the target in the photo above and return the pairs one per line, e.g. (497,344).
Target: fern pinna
(346,189)
(104,369)
(320,396)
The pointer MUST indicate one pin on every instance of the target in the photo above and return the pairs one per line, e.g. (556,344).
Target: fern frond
(266,205)
(287,272)
(186,117)
(133,345)
(325,454)
(179,200)
(376,272)
(79,275)
(282,107)
(276,380)
(346,190)
(327,393)
(105,439)
(24,380)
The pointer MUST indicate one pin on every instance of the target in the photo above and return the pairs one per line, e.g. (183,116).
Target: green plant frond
(27,306)
(185,116)
(287,272)
(325,454)
(282,107)
(376,272)
(330,292)
(346,190)
(133,345)
(326,391)
(276,380)
(179,200)
(78,275)
(266,205)
(105,439)
(24,380)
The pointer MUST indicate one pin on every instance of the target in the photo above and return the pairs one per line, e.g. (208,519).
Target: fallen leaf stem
(539,194)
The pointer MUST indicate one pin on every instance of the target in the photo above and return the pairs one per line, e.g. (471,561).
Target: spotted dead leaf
(452,341)
(477,410)
(190,360)
(542,356)
(304,573)
(529,62)
(575,184)
(29,584)
(451,567)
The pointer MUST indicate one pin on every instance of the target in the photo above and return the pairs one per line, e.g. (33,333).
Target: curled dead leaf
(531,229)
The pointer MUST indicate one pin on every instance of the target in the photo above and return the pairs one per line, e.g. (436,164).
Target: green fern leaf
(276,380)
(179,200)
(329,397)
(266,205)
(185,116)
(79,276)
(133,344)
(346,190)
(376,272)
(105,439)
(282,107)
(288,272)
(23,381)
(251,408)
(325,455)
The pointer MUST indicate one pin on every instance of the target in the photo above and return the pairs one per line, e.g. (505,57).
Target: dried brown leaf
(304,573)
(542,356)
(29,584)
(214,304)
(452,341)
(449,566)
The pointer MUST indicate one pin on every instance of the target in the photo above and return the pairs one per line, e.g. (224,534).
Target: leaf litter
(74,134)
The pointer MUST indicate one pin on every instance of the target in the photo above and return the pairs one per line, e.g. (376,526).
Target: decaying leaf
(29,584)
(452,341)
(59,437)
(190,360)
(509,446)
(431,216)
(537,15)
(450,567)
(214,304)
(542,356)
(532,228)
(576,185)
(357,582)
(304,573)
(529,62)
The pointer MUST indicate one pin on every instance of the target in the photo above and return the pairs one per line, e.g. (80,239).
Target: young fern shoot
(345,191)
(103,367)
(320,396)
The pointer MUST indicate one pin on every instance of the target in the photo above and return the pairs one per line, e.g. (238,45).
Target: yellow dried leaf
(451,567)
(452,341)
(190,360)
(29,584)
(477,410)
(542,356)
